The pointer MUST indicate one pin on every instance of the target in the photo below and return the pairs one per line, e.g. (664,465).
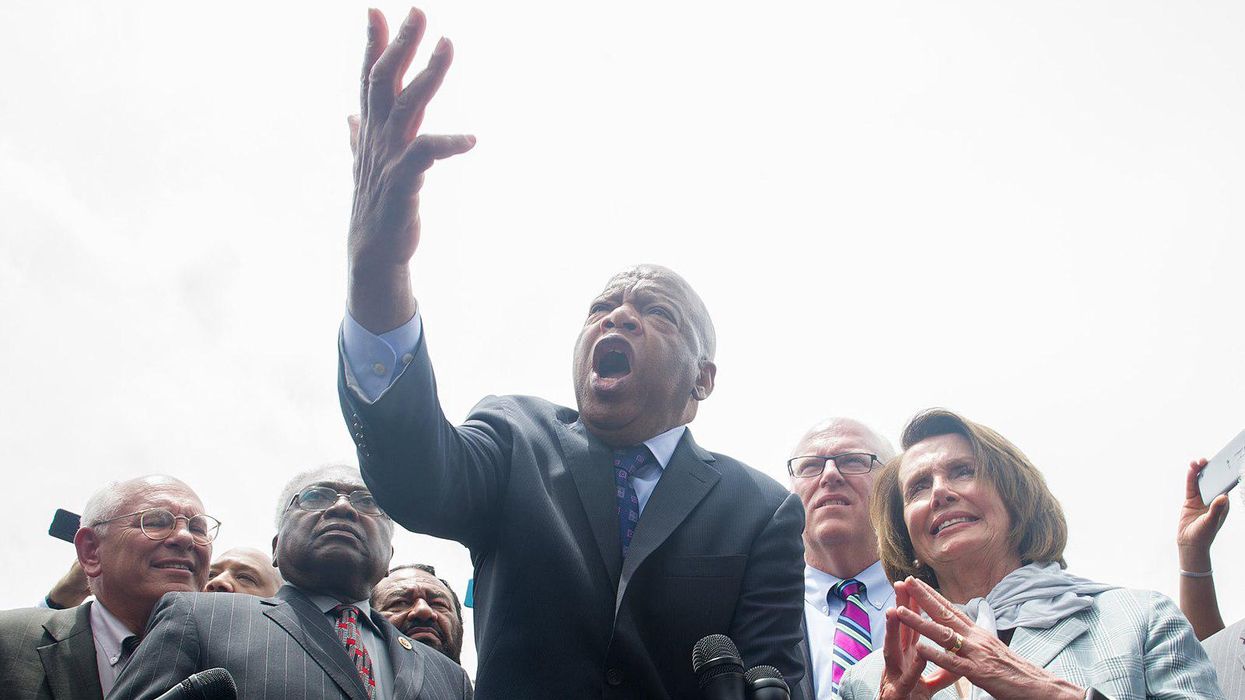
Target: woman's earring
(916,563)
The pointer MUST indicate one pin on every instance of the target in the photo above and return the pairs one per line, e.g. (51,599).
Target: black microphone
(212,684)
(720,671)
(766,683)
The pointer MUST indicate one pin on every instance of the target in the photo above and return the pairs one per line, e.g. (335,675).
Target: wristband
(51,603)
(1198,574)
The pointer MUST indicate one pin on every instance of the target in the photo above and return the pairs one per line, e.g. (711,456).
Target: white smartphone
(1223,470)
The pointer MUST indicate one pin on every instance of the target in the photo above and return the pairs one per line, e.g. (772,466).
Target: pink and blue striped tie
(852,640)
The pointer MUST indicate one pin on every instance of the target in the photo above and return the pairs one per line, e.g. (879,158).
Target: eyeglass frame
(874,462)
(297,500)
(208,538)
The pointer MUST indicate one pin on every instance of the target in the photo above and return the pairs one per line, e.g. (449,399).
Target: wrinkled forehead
(175,496)
(933,453)
(839,437)
(242,557)
(668,284)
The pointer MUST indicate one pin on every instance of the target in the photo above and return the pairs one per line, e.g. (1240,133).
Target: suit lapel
(685,482)
(407,664)
(69,662)
(303,621)
(1041,646)
(589,461)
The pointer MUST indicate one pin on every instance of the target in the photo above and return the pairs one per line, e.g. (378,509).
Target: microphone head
(713,650)
(765,677)
(215,683)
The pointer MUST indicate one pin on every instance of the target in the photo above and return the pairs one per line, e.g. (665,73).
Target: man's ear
(704,380)
(86,542)
(274,551)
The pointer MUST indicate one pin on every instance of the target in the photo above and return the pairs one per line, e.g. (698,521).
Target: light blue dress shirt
(820,615)
(374,363)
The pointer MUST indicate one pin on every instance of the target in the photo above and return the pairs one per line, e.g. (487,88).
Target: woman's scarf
(1036,595)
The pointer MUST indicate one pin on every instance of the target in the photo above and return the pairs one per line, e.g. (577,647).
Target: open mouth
(176,566)
(942,525)
(833,501)
(611,362)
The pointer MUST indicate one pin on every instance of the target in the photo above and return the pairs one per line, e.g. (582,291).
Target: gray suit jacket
(279,647)
(48,654)
(1226,650)
(1130,645)
(559,613)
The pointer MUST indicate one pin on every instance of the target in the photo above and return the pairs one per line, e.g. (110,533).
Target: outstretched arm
(390,158)
(1196,532)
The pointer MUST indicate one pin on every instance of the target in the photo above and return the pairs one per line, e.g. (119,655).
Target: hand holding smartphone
(1223,471)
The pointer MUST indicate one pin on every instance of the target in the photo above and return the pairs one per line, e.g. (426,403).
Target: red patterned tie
(348,633)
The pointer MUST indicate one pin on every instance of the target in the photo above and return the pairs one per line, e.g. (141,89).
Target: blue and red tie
(628,461)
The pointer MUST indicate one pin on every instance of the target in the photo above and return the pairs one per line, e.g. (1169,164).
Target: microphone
(718,668)
(766,683)
(212,684)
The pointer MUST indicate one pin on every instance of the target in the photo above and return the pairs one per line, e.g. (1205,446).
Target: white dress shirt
(109,634)
(374,363)
(820,615)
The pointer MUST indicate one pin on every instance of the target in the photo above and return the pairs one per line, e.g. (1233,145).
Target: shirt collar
(109,632)
(326,603)
(817,585)
(662,446)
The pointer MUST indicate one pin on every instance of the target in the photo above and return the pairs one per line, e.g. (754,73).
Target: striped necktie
(627,461)
(852,640)
(348,633)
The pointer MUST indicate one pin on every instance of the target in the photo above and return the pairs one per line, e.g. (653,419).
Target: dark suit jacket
(531,493)
(280,647)
(48,654)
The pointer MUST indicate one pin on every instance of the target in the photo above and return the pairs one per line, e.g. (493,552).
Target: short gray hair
(109,500)
(340,471)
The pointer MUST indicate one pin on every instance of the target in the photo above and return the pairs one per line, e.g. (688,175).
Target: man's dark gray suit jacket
(558,613)
(48,654)
(279,647)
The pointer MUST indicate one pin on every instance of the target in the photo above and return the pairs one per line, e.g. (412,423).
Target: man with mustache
(139,539)
(423,607)
(606,541)
(318,636)
(846,592)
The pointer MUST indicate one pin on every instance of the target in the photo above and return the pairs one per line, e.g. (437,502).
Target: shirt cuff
(376,361)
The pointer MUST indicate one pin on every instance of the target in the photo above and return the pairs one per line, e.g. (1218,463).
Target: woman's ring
(959,643)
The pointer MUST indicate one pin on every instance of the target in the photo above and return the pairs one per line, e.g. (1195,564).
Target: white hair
(108,502)
(340,471)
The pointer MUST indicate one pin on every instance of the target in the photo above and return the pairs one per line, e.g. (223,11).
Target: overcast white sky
(1027,213)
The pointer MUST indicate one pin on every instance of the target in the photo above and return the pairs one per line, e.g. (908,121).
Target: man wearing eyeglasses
(318,637)
(140,539)
(846,592)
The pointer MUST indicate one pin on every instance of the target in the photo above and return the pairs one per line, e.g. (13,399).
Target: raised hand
(1195,532)
(1199,523)
(901,675)
(390,158)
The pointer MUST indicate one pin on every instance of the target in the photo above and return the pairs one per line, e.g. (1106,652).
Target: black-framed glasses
(159,524)
(847,463)
(318,498)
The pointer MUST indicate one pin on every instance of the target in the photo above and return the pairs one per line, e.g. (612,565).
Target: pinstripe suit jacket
(559,613)
(1129,645)
(48,654)
(1226,650)
(280,647)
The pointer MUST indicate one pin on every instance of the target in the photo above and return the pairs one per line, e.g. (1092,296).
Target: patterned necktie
(348,633)
(627,461)
(852,641)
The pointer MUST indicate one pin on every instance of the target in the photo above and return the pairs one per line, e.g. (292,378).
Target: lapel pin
(406,643)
